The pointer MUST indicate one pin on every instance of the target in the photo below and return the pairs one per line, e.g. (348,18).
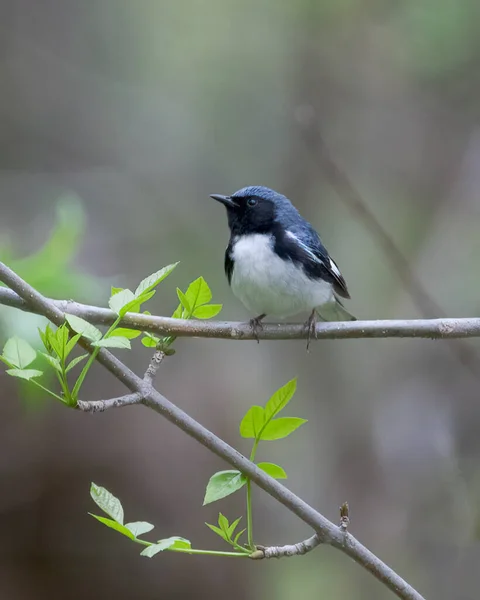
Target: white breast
(268,284)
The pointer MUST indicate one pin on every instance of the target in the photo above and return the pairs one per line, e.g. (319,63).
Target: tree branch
(165,326)
(326,531)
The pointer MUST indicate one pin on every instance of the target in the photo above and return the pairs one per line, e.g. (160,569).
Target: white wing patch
(307,249)
(334,268)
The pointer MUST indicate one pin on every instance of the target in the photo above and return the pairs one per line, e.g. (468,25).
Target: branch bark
(326,531)
(452,328)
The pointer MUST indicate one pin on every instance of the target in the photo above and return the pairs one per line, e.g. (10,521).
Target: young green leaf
(54,362)
(138,528)
(233,526)
(252,422)
(149,342)
(272,469)
(238,535)
(184,300)
(84,328)
(198,293)
(114,525)
(71,344)
(207,311)
(61,336)
(107,502)
(44,337)
(154,279)
(280,399)
(115,290)
(161,545)
(135,304)
(223,522)
(74,362)
(113,342)
(120,299)
(18,352)
(218,531)
(281,428)
(222,484)
(181,543)
(24,373)
(131,334)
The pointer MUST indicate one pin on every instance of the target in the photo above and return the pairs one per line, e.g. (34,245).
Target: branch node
(344,516)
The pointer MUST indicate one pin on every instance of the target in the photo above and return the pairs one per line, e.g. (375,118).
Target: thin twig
(165,326)
(325,529)
(289,550)
(94,406)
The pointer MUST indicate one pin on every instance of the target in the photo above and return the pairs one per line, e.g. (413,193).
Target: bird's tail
(335,311)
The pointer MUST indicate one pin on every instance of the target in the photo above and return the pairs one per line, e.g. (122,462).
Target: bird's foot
(256,325)
(311,327)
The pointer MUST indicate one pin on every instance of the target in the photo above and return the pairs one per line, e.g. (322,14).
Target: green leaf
(218,531)
(107,502)
(184,300)
(280,399)
(114,525)
(181,543)
(138,528)
(233,526)
(223,522)
(154,279)
(273,470)
(252,422)
(237,537)
(71,344)
(54,362)
(149,342)
(222,484)
(120,299)
(135,304)
(131,334)
(61,336)
(113,342)
(24,373)
(198,293)
(44,337)
(281,428)
(160,546)
(115,290)
(18,352)
(84,328)
(75,361)
(208,311)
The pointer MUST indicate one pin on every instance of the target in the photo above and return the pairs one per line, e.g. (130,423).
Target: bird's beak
(226,200)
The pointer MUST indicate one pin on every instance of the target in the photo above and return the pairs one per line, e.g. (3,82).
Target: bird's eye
(251,201)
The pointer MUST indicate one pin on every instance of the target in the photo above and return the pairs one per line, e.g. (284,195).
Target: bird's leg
(256,325)
(311,327)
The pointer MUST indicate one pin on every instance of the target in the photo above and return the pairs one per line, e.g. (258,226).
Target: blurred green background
(117,120)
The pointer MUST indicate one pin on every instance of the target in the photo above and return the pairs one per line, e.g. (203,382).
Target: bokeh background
(117,120)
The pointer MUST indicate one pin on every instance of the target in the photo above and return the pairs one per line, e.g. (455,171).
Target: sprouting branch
(94,406)
(325,530)
(289,550)
(451,328)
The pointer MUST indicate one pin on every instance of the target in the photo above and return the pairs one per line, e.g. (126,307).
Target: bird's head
(254,209)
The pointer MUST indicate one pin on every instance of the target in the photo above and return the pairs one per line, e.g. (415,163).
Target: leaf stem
(249,515)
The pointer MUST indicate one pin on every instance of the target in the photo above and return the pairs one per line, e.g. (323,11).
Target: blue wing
(305,247)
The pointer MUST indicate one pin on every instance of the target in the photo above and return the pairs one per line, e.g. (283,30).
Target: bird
(276,263)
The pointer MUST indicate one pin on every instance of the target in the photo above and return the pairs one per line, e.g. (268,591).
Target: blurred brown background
(140,110)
